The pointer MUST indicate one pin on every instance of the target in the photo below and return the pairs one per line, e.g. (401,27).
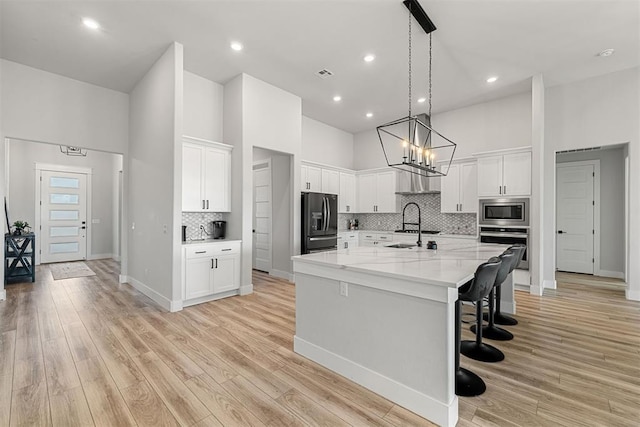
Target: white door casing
(575,217)
(62,203)
(262,248)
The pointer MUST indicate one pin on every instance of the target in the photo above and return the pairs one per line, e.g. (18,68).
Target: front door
(63,216)
(574,218)
(262,216)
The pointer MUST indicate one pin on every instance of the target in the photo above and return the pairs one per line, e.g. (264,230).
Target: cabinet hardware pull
(207,203)
(216,262)
(203,204)
(225,250)
(201,252)
(500,189)
(505,189)
(212,263)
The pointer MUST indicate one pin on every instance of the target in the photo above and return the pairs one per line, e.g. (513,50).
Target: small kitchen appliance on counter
(219,229)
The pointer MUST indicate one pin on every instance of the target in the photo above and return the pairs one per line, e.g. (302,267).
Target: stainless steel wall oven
(508,236)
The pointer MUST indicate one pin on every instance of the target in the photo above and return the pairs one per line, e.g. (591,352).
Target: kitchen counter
(384,318)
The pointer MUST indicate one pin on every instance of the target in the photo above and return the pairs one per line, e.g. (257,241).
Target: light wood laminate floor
(89,351)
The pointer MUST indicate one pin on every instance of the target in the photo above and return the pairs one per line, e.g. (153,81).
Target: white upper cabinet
(504,175)
(206,176)
(377,192)
(459,190)
(330,181)
(347,195)
(311,178)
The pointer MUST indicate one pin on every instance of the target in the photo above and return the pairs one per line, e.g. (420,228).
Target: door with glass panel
(63,216)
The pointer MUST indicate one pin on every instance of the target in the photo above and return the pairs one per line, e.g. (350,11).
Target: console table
(19,256)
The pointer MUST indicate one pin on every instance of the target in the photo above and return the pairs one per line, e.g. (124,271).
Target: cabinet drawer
(369,236)
(385,237)
(212,249)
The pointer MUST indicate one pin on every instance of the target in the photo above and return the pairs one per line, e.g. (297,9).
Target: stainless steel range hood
(412,183)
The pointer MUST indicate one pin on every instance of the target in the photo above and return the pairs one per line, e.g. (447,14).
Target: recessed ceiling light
(90,23)
(421,100)
(606,52)
(492,79)
(369,58)
(236,46)
(337,98)
(369,115)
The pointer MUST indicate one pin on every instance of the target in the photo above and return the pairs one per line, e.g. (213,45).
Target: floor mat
(67,270)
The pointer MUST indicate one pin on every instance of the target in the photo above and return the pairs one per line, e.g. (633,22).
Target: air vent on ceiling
(578,150)
(324,73)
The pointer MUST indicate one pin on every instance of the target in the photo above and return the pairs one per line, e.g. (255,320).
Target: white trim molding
(282,274)
(3,294)
(609,273)
(550,284)
(161,300)
(632,295)
(246,290)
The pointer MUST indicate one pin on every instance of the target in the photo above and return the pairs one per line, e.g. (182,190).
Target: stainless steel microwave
(504,212)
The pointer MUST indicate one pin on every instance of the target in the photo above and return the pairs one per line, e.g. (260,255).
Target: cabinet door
(198,281)
(490,176)
(216,180)
(367,185)
(304,181)
(347,195)
(386,192)
(516,180)
(330,181)
(468,188)
(450,191)
(314,176)
(226,273)
(192,162)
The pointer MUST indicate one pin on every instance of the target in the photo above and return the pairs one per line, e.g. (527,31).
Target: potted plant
(19,227)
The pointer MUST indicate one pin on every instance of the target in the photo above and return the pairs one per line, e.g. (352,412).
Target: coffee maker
(219,229)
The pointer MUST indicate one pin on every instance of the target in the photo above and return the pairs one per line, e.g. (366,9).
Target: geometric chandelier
(411,144)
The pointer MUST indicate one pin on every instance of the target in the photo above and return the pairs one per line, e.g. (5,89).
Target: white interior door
(63,216)
(262,216)
(575,218)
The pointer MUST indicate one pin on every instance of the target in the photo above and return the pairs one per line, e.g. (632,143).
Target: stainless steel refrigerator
(319,222)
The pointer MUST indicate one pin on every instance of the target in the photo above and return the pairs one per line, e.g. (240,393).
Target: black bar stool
(468,383)
(491,331)
(498,317)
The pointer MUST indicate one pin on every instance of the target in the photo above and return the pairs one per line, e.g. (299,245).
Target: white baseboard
(116,258)
(122,278)
(521,287)
(3,295)
(282,275)
(161,300)
(550,284)
(99,256)
(246,290)
(632,295)
(508,307)
(440,413)
(188,303)
(536,290)
(609,273)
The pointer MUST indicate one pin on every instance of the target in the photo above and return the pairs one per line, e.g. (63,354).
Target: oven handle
(521,236)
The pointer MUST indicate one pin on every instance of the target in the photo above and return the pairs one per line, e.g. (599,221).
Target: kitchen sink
(401,245)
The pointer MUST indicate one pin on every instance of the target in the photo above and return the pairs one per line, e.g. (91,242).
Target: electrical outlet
(344,289)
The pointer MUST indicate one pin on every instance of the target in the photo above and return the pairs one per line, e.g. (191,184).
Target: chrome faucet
(419,224)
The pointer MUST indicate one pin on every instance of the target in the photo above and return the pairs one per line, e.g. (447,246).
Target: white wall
(322,143)
(21,195)
(495,125)
(154,164)
(595,112)
(259,114)
(612,241)
(41,106)
(203,106)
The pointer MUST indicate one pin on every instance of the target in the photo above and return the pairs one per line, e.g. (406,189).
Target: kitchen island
(384,318)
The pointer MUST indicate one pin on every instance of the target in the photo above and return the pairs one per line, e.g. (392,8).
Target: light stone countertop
(207,241)
(452,264)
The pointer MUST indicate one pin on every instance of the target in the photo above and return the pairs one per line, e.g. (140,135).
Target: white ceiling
(286,42)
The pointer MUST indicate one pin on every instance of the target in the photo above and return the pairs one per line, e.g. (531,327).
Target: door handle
(83,227)
(560,232)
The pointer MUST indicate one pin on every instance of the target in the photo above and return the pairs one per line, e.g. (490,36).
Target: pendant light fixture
(411,143)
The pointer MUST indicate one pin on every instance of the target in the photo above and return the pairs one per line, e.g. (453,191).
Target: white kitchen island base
(384,318)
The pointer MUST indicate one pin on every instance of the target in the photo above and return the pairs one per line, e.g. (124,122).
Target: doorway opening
(272,210)
(592,213)
(51,187)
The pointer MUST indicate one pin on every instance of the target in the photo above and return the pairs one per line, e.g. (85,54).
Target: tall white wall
(325,144)
(259,114)
(41,106)
(495,125)
(155,166)
(612,241)
(596,112)
(21,197)
(203,106)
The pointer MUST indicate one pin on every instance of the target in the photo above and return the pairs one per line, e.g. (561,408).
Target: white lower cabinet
(348,240)
(209,270)
(375,239)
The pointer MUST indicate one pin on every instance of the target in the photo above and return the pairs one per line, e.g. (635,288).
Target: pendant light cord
(430,57)
(409,59)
